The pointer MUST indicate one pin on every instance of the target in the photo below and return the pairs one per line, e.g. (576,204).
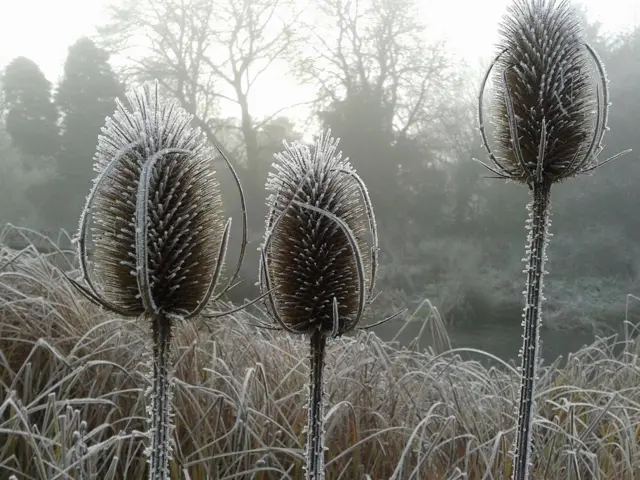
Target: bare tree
(207,53)
(379,49)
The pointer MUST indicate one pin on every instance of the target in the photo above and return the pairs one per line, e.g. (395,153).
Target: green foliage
(611,197)
(475,282)
(17,180)
(31,115)
(85,96)
(392,164)
(359,121)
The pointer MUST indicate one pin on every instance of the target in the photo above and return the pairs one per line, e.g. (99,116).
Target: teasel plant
(159,236)
(550,111)
(319,261)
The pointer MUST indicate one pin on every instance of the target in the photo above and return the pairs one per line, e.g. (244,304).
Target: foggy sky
(468,26)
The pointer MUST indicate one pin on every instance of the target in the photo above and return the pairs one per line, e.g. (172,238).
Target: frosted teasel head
(551,98)
(312,262)
(159,238)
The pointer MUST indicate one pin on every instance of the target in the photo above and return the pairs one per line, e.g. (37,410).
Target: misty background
(398,85)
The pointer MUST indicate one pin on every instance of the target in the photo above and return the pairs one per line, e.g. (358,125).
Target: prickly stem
(160,401)
(315,421)
(538,224)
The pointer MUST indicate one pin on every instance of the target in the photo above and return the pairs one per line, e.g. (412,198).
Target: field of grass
(73,382)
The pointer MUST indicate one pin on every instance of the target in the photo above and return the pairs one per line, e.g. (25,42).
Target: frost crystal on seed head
(156,207)
(551,96)
(310,259)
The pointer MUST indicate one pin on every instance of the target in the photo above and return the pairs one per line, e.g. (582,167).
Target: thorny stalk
(315,420)
(537,224)
(159,407)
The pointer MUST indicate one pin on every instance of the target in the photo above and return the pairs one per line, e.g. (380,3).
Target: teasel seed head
(312,261)
(159,237)
(550,103)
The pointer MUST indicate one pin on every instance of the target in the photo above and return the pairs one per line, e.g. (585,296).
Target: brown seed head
(156,207)
(316,219)
(548,114)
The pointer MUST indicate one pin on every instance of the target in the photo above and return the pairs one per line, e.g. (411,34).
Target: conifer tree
(30,114)
(85,97)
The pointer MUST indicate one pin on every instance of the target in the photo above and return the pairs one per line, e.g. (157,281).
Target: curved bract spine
(316,280)
(159,237)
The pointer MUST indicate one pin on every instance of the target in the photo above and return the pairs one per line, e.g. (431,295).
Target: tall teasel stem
(550,112)
(538,225)
(159,238)
(160,400)
(315,421)
(312,271)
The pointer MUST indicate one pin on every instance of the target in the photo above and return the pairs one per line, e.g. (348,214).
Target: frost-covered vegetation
(171,379)
(240,392)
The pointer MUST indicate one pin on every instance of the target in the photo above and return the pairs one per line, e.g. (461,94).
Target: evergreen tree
(85,96)
(31,116)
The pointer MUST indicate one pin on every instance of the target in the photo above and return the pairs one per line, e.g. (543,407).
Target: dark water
(504,341)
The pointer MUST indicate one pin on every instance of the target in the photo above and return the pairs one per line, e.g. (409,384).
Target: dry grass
(73,382)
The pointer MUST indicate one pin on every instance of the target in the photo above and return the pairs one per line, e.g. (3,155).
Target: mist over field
(401,94)
(159,352)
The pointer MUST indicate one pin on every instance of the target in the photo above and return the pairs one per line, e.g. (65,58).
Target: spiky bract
(546,109)
(156,207)
(310,259)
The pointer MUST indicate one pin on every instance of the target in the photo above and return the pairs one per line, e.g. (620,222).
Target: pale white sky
(43,30)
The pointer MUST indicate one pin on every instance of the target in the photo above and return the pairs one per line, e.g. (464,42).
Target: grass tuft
(73,380)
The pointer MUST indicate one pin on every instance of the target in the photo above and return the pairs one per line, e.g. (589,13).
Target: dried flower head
(551,110)
(312,267)
(315,233)
(550,104)
(159,236)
